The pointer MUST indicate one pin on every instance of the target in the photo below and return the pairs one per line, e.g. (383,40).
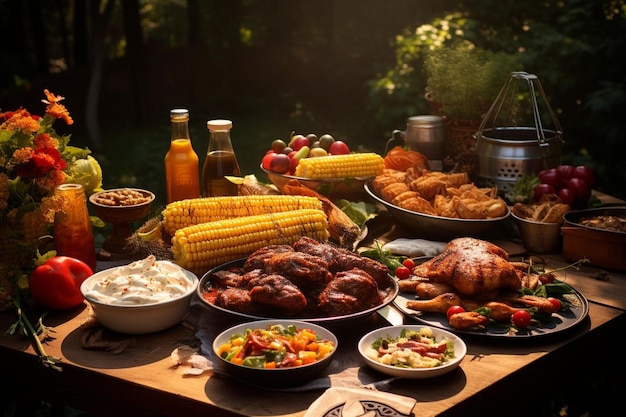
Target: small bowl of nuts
(120,207)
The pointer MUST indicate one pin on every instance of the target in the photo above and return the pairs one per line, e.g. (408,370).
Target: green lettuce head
(86,172)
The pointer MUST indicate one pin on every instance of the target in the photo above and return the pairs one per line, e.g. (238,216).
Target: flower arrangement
(34,160)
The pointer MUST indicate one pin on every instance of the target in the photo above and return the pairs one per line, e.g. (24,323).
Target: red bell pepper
(56,283)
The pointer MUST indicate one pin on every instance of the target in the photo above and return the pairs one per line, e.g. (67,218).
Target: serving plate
(558,323)
(438,227)
(206,285)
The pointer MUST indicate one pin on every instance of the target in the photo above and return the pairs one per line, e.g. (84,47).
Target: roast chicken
(473,267)
(473,273)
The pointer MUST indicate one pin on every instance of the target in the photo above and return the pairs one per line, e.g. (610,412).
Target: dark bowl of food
(598,235)
(294,352)
(308,281)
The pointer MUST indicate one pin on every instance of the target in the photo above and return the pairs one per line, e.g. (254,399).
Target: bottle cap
(177,114)
(219,124)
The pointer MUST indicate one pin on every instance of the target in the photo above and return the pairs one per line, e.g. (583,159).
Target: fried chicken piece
(500,311)
(404,196)
(427,289)
(487,209)
(445,206)
(350,292)
(418,205)
(392,190)
(409,284)
(467,319)
(474,267)
(279,293)
(428,186)
(438,304)
(541,303)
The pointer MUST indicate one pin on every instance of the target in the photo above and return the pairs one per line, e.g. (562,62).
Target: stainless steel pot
(519,135)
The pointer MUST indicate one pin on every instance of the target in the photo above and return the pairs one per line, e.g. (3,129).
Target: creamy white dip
(141,282)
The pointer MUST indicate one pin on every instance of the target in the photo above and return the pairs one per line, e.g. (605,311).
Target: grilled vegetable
(194,211)
(201,247)
(341,166)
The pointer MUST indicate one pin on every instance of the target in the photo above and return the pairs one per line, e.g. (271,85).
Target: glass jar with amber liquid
(182,179)
(220,161)
(73,235)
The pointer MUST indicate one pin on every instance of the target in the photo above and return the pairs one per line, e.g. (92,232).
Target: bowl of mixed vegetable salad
(275,353)
(412,351)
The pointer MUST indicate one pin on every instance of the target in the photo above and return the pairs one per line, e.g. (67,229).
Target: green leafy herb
(524,188)
(359,212)
(384,256)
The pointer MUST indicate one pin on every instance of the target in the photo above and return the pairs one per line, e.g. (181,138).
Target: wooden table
(495,378)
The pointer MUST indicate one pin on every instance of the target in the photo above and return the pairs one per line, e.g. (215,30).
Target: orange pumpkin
(401,159)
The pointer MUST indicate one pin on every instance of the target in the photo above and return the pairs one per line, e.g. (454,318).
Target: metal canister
(426,134)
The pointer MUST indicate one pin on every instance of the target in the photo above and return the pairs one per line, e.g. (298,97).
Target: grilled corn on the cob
(201,247)
(352,165)
(189,212)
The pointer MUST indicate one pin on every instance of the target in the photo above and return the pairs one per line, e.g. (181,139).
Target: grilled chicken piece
(438,304)
(351,291)
(543,304)
(340,259)
(300,268)
(257,259)
(432,289)
(237,299)
(500,311)
(473,267)
(467,319)
(279,293)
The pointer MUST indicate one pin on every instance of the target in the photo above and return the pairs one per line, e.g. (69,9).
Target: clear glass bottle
(182,179)
(220,161)
(73,235)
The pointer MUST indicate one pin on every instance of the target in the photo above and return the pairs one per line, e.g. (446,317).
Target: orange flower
(55,109)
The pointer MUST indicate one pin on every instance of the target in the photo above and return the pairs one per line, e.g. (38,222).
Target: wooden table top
(143,381)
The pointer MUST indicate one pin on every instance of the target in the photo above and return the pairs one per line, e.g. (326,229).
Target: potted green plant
(462,81)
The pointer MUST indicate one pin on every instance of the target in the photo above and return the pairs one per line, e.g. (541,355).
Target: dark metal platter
(391,293)
(558,323)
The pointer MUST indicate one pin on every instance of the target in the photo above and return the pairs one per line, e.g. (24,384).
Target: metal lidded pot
(519,135)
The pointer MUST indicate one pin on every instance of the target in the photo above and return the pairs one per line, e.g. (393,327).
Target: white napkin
(351,399)
(415,247)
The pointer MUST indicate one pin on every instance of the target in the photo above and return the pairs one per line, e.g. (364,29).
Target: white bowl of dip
(145,296)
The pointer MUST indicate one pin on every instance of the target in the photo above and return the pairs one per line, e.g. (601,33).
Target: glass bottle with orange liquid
(182,178)
(220,161)
(73,235)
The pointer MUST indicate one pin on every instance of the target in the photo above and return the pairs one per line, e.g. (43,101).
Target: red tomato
(339,147)
(541,190)
(403,272)
(408,262)
(552,176)
(56,283)
(566,196)
(556,304)
(586,174)
(546,278)
(454,310)
(267,160)
(521,318)
(566,171)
